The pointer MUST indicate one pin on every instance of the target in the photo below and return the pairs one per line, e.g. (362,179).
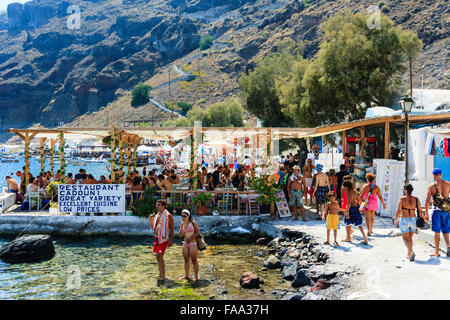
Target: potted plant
(53,210)
(201,201)
(267,191)
(52,191)
(178,208)
(170,207)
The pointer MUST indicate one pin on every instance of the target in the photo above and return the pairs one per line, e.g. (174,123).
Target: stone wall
(117,225)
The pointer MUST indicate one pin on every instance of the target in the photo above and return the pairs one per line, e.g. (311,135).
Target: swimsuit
(322,194)
(354,217)
(440,221)
(332,222)
(296,198)
(189,244)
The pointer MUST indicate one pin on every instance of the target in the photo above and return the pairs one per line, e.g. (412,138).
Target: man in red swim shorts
(163,228)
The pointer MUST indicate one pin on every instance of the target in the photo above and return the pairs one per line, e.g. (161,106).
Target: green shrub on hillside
(206,42)
(140,95)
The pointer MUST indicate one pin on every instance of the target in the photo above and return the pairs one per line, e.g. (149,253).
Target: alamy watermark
(74,18)
(374,20)
(74,277)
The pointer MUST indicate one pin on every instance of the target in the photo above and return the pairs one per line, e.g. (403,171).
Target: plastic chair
(33,196)
(226,203)
(242,199)
(253,205)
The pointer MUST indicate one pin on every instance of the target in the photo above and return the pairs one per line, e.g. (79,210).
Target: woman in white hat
(190,231)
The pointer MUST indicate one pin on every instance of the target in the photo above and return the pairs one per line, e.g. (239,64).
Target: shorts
(322,194)
(332,222)
(296,199)
(309,182)
(440,221)
(160,247)
(407,224)
(354,217)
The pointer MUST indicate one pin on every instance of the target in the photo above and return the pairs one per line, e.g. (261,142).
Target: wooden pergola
(133,136)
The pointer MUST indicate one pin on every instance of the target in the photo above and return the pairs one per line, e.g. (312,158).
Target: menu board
(282,205)
(390,177)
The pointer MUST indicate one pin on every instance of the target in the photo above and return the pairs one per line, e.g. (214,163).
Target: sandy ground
(384,272)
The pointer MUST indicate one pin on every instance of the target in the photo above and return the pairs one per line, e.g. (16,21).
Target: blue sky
(4,3)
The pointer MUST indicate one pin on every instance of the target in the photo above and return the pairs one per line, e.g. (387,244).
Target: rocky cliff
(71,61)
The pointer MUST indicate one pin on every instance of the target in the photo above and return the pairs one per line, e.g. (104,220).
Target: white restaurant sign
(104,198)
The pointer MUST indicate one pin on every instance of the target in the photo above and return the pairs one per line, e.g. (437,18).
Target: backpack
(440,201)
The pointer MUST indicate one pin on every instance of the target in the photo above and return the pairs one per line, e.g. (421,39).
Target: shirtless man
(321,188)
(307,173)
(440,220)
(12,184)
(296,187)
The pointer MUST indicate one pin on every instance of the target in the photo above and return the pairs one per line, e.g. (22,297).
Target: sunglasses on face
(184,216)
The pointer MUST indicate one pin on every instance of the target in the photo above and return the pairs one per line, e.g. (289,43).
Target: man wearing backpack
(440,219)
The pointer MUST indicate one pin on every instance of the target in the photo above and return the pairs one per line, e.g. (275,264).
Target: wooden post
(363,143)
(386,140)
(135,146)
(42,154)
(27,138)
(52,154)
(61,147)
(344,142)
(194,158)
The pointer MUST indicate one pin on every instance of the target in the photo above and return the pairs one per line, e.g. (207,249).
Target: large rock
(28,248)
(302,279)
(289,272)
(249,280)
(272,262)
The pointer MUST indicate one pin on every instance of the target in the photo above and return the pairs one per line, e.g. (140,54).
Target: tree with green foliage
(140,95)
(354,68)
(184,107)
(206,42)
(221,114)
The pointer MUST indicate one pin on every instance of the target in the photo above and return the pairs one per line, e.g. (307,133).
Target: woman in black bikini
(406,218)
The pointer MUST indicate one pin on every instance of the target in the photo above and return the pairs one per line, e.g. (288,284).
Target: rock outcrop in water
(28,248)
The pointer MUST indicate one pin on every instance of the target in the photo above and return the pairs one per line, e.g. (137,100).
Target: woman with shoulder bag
(190,231)
(406,218)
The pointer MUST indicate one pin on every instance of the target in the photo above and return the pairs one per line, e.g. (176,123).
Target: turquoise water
(96,169)
(125,268)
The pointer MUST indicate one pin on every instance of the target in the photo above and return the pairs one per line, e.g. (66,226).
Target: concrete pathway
(384,272)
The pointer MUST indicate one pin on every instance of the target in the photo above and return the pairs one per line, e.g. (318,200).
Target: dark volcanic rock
(28,248)
(302,278)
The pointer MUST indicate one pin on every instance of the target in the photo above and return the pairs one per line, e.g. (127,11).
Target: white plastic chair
(31,196)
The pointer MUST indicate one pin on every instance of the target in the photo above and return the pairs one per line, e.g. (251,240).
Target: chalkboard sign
(282,205)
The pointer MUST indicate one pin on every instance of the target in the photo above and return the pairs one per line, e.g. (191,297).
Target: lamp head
(407,104)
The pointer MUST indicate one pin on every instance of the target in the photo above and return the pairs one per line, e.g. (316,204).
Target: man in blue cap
(440,219)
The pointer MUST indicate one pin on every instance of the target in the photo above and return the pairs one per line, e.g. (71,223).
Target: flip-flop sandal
(326,242)
(433,255)
(413,256)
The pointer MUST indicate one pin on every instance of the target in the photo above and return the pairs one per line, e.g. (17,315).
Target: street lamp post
(407,104)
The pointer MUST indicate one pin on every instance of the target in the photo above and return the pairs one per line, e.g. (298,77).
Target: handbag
(420,223)
(201,244)
(440,201)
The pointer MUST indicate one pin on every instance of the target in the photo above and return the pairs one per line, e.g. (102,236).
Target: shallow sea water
(125,268)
